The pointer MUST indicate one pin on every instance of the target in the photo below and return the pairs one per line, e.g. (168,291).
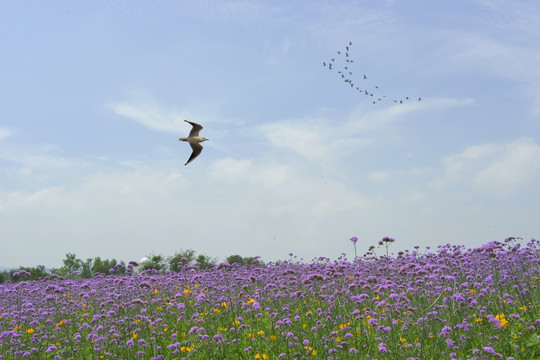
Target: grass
(456,303)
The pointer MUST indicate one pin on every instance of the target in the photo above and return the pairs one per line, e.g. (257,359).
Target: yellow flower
(134,336)
(472,291)
(154,291)
(402,339)
(29,331)
(251,335)
(224,304)
(261,356)
(272,337)
(216,310)
(502,319)
(185,349)
(478,319)
(187,290)
(251,301)
(61,323)
(311,350)
(260,333)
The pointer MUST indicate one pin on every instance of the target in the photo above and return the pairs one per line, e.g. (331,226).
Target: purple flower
(445,331)
(354,239)
(382,348)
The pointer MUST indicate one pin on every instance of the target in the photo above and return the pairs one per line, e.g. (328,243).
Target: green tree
(235,259)
(98,266)
(205,261)
(104,266)
(156,262)
(182,257)
(86,271)
(71,264)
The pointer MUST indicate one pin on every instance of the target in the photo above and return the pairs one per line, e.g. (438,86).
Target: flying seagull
(194,140)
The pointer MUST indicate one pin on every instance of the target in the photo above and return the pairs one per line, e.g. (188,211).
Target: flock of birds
(345,71)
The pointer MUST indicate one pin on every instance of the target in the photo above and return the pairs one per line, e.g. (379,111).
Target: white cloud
(500,169)
(233,171)
(152,116)
(509,15)
(519,165)
(379,176)
(5,133)
(316,140)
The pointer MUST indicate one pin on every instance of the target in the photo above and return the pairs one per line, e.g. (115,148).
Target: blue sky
(93,96)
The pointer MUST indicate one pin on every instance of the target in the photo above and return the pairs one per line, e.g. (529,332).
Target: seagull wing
(197,148)
(195,130)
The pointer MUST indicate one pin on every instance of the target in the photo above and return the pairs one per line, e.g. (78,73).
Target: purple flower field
(455,303)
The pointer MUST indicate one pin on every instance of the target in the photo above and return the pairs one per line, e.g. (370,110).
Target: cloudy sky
(93,96)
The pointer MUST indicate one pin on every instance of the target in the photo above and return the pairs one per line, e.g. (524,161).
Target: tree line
(74,267)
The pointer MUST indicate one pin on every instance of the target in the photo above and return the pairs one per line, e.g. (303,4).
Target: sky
(93,98)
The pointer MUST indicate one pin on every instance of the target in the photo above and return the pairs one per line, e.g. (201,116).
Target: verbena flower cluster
(457,303)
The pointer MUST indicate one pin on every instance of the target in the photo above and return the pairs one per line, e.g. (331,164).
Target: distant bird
(323,64)
(339,52)
(347,48)
(194,140)
(332,59)
(365,77)
(347,54)
(350,43)
(419,99)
